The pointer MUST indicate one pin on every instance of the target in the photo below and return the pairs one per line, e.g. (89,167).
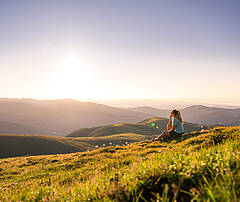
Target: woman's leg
(163,135)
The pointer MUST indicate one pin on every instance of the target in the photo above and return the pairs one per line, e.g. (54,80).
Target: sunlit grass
(205,167)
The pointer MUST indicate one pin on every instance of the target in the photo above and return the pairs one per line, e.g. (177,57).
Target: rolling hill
(26,145)
(153,111)
(200,114)
(60,117)
(14,128)
(148,127)
(211,115)
(86,138)
(31,145)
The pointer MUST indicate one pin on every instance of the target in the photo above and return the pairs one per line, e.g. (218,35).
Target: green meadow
(201,167)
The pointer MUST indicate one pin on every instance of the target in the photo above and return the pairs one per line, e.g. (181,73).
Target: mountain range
(200,114)
(62,117)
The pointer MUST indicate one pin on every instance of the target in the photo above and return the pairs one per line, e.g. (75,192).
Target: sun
(72,77)
(73,69)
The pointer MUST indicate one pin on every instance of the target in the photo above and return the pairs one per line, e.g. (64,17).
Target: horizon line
(165,101)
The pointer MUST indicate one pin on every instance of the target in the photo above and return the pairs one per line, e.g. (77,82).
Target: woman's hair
(178,115)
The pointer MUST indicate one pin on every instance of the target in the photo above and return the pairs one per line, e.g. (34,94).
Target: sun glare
(73,70)
(73,77)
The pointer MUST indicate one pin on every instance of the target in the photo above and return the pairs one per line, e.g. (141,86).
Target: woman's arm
(172,129)
(170,120)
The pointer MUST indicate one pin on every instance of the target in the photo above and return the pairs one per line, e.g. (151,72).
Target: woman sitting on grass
(174,127)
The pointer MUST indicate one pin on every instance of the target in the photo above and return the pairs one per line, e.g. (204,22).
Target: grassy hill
(148,127)
(28,145)
(203,167)
(22,145)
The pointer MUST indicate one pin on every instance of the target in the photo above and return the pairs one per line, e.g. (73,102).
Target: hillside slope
(200,114)
(25,145)
(211,115)
(29,145)
(15,128)
(201,168)
(63,116)
(148,127)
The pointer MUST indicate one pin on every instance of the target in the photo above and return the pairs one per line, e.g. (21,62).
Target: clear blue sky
(99,49)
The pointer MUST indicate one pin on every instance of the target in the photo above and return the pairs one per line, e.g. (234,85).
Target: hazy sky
(100,49)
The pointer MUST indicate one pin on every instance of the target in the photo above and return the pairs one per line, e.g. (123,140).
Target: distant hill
(211,115)
(153,111)
(60,117)
(149,127)
(200,114)
(14,128)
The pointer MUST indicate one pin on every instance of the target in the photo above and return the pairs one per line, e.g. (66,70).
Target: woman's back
(179,126)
